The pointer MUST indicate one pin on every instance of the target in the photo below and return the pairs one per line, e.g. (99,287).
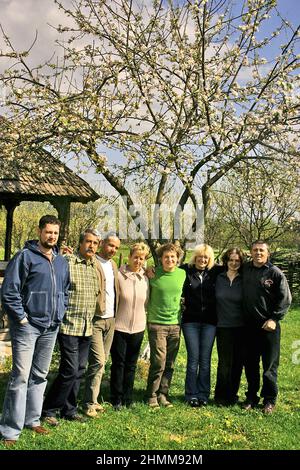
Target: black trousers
(63,392)
(265,345)
(231,352)
(124,355)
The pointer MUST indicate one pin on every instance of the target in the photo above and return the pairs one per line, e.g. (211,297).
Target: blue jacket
(35,287)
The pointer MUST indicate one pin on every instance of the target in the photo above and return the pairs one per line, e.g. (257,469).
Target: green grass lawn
(182,427)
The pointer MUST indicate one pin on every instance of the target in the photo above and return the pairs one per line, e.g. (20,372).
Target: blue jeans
(199,341)
(32,348)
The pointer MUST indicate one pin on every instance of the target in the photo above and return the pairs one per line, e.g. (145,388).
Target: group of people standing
(94,309)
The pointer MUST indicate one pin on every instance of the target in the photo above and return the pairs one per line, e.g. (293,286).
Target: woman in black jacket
(199,321)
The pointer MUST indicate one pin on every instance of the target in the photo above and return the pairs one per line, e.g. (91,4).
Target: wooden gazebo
(40,177)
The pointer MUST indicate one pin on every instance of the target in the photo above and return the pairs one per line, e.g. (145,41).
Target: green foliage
(25,222)
(182,427)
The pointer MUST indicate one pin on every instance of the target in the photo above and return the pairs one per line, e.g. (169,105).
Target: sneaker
(202,402)
(163,401)
(153,403)
(268,408)
(76,417)
(50,420)
(193,402)
(99,408)
(90,412)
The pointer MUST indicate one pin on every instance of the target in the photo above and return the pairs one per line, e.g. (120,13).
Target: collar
(268,264)
(128,273)
(80,259)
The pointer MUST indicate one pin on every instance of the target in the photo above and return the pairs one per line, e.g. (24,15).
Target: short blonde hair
(142,247)
(203,249)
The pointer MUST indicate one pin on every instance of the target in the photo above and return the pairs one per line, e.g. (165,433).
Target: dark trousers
(124,355)
(265,345)
(231,352)
(63,392)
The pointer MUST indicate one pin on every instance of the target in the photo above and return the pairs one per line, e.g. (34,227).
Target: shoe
(39,429)
(129,404)
(76,417)
(50,420)
(202,402)
(8,442)
(268,408)
(248,405)
(193,402)
(118,406)
(99,408)
(224,402)
(153,403)
(163,401)
(90,412)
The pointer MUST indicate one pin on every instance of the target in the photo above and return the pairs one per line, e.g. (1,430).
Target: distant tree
(259,201)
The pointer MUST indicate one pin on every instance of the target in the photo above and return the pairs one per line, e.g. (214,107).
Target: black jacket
(266,294)
(199,295)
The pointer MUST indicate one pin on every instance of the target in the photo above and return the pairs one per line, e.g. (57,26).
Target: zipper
(53,291)
(201,291)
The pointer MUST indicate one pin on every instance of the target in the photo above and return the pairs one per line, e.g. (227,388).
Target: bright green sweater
(165,294)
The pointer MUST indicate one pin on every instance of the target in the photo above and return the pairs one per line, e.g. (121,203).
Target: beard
(47,244)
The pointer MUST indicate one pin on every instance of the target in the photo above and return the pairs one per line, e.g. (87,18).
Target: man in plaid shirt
(75,332)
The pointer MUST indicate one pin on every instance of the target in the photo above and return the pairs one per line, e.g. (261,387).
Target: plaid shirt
(84,289)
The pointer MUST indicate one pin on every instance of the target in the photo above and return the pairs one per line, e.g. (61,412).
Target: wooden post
(10,207)
(63,208)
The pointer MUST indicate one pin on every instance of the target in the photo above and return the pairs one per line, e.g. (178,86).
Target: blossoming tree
(183,90)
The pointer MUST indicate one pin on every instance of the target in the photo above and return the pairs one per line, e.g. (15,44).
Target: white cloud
(21,19)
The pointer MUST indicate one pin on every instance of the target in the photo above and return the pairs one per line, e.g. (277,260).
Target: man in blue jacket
(35,297)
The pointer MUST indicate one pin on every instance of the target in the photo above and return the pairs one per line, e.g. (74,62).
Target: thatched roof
(40,176)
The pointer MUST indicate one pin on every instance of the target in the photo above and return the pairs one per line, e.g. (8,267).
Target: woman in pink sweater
(130,325)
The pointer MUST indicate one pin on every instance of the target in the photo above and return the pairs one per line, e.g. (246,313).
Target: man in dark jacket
(35,297)
(266,298)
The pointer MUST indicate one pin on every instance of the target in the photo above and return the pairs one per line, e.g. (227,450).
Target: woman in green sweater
(164,313)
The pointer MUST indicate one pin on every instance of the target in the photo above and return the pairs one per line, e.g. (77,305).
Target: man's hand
(150,272)
(24,321)
(66,250)
(269,325)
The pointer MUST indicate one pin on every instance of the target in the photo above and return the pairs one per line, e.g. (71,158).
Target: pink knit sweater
(134,293)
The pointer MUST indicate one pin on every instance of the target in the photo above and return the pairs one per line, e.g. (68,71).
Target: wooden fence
(292,271)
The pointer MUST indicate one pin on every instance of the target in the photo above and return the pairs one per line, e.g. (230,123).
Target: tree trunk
(206,204)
